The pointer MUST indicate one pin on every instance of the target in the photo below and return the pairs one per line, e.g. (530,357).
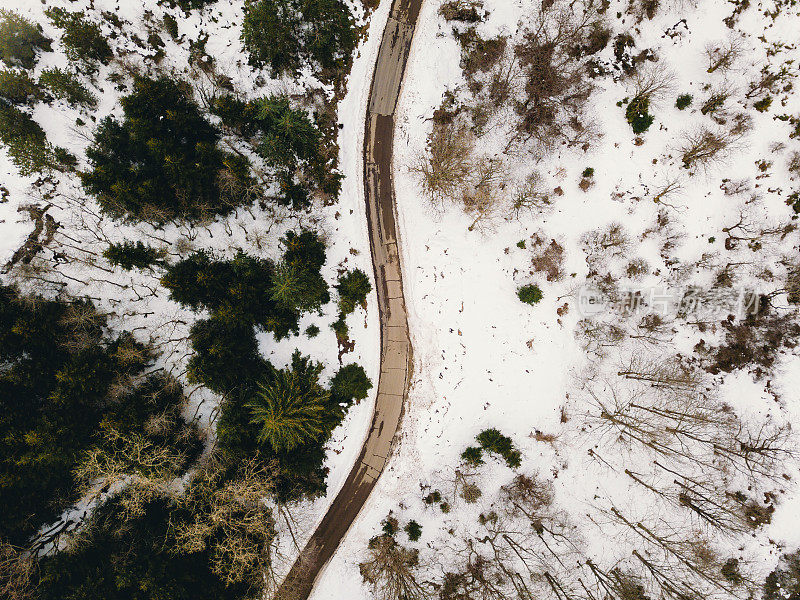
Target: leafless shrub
(447,162)
(231,519)
(552,57)
(722,56)
(530,497)
(480,192)
(468,11)
(651,82)
(17,573)
(528,195)
(703,147)
(611,240)
(548,259)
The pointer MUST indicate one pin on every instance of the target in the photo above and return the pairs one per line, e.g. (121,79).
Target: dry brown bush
(446,163)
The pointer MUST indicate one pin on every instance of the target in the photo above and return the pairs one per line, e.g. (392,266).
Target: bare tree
(391,570)
(704,147)
(722,56)
(17,573)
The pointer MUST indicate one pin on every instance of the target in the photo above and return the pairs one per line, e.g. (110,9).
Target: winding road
(396,352)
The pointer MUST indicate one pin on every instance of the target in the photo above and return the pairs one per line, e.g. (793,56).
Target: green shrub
(286,35)
(433,498)
(350,383)
(341,329)
(353,288)
(491,440)
(473,455)
(171,26)
(390,526)
(161,162)
(82,38)
(129,255)
(27,143)
(414,530)
(637,114)
(312,331)
(20,40)
(763,104)
(66,86)
(445,507)
(16,87)
(784,582)
(530,294)
(588,172)
(683,101)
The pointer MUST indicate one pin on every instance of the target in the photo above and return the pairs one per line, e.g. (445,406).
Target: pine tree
(291,408)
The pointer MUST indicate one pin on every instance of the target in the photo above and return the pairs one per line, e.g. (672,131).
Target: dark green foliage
(588,172)
(683,101)
(473,456)
(312,331)
(27,143)
(491,440)
(353,288)
(254,290)
(529,294)
(286,35)
(784,582)
(225,353)
(126,557)
(341,329)
(161,162)
(59,387)
(16,87)
(433,498)
(390,525)
(171,26)
(350,383)
(637,114)
(291,408)
(66,86)
(299,471)
(763,104)
(129,255)
(414,530)
(82,38)
(288,140)
(730,571)
(20,40)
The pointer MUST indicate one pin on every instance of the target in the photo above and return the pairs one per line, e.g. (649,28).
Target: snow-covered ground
(484,359)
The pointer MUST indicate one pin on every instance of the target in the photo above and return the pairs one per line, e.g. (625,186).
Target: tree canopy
(161,161)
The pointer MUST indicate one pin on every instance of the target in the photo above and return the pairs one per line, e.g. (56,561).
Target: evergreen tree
(286,35)
(20,40)
(82,38)
(353,288)
(350,383)
(161,162)
(129,255)
(784,582)
(16,87)
(291,408)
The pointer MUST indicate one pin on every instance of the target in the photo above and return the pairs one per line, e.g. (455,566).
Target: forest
(115,481)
